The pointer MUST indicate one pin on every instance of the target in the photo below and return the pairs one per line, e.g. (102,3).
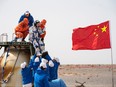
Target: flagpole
(112,59)
(112,68)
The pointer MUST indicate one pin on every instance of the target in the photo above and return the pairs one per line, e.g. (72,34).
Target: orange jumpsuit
(42,26)
(22,29)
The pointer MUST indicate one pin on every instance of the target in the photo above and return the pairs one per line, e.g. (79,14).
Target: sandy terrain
(92,75)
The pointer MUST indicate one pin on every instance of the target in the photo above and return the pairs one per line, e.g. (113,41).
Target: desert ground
(88,75)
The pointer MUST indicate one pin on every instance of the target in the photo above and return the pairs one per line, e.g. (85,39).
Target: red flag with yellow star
(92,37)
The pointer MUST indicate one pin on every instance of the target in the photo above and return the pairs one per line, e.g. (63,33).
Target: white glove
(51,64)
(57,59)
(23,65)
(36,59)
(44,60)
(43,65)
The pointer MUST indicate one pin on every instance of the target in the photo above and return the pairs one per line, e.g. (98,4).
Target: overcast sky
(62,17)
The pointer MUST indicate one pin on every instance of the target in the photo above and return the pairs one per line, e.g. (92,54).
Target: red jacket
(42,25)
(22,26)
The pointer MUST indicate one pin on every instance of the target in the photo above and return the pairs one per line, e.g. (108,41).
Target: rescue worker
(26,73)
(40,78)
(43,29)
(36,63)
(57,83)
(56,65)
(21,30)
(27,15)
(53,69)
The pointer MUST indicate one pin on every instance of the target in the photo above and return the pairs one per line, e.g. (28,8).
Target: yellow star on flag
(104,29)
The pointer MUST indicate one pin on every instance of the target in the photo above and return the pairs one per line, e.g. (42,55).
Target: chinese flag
(92,37)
